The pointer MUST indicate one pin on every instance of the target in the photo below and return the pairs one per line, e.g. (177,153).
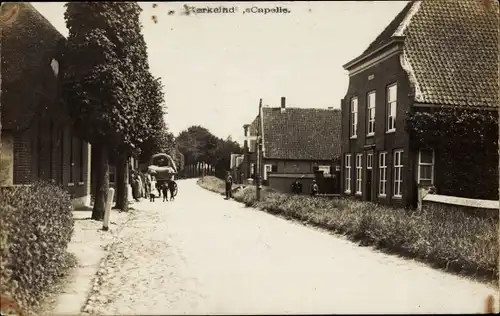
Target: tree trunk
(122,183)
(101,182)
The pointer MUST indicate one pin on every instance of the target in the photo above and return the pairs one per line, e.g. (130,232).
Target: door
(368,184)
(369,176)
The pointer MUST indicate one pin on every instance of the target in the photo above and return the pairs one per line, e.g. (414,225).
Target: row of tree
(199,145)
(116,104)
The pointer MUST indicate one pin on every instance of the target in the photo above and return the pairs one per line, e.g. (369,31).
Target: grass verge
(453,241)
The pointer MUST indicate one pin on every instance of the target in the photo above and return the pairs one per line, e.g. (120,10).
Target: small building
(433,55)
(297,143)
(37,139)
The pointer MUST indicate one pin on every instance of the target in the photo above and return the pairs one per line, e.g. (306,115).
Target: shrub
(36,225)
(453,240)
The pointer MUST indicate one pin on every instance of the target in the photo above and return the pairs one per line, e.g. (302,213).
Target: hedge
(445,239)
(36,225)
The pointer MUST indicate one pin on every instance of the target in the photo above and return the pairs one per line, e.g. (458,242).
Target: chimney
(245,127)
(283,104)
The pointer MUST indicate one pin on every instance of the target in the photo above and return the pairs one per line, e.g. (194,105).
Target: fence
(489,208)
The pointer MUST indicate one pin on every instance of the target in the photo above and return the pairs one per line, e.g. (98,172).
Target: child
(172,186)
(164,191)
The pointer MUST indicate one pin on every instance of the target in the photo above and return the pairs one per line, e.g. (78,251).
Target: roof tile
(452,47)
(300,133)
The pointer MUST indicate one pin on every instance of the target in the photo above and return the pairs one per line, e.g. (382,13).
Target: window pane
(425,156)
(425,172)
(425,182)
(392,93)
(354,105)
(371,100)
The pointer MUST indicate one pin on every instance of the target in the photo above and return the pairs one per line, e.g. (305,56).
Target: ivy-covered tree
(466,147)
(100,81)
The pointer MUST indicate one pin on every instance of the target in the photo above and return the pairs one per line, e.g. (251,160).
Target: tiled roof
(386,35)
(452,52)
(29,42)
(300,133)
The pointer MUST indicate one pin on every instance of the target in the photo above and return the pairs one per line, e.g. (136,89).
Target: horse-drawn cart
(163,168)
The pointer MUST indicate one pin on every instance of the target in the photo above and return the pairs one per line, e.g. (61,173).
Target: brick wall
(377,78)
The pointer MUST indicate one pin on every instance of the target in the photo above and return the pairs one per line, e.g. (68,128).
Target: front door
(369,184)
(369,177)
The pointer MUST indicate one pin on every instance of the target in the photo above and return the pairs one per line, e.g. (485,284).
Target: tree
(100,88)
(197,144)
(157,139)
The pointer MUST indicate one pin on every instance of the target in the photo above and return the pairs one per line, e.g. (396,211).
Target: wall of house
(50,152)
(377,78)
(283,182)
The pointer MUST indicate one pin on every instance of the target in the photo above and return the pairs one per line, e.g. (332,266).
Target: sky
(215,67)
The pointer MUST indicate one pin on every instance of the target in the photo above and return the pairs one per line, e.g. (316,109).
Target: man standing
(229,185)
(314,188)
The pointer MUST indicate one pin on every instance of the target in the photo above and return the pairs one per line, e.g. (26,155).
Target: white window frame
(267,168)
(353,119)
(391,109)
(370,113)
(398,174)
(420,164)
(325,169)
(347,167)
(382,181)
(359,174)
(369,161)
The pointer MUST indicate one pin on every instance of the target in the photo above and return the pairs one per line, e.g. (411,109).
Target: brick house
(421,61)
(38,142)
(297,143)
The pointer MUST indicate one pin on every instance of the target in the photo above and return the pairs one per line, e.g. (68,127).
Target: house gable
(449,50)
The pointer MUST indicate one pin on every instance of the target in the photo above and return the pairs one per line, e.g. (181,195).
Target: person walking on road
(314,188)
(229,185)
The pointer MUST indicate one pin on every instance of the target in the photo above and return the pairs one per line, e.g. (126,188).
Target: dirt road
(202,254)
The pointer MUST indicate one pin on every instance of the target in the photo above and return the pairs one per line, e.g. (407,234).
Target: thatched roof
(29,43)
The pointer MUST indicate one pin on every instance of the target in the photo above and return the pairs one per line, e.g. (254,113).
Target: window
(348,173)
(51,149)
(392,95)
(39,150)
(252,170)
(71,158)
(354,117)
(112,174)
(371,114)
(369,161)
(398,172)
(267,168)
(382,167)
(62,140)
(82,159)
(325,169)
(426,166)
(359,173)
(274,168)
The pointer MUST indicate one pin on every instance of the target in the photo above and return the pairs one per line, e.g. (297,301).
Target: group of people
(297,188)
(143,184)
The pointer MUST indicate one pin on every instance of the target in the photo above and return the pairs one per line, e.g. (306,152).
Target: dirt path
(202,254)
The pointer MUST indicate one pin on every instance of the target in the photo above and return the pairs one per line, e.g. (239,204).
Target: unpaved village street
(205,255)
